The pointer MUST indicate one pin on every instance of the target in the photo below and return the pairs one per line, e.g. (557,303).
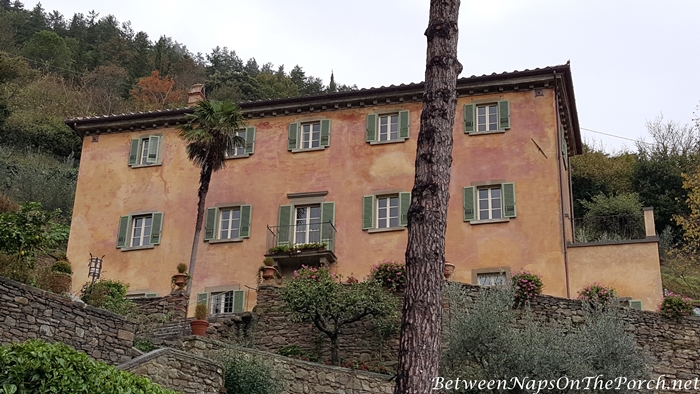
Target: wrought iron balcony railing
(302,236)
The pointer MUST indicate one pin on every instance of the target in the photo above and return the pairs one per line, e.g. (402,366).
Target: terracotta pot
(268,272)
(180,279)
(199,327)
(449,270)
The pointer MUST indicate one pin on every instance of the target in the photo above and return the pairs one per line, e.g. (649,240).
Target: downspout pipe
(560,159)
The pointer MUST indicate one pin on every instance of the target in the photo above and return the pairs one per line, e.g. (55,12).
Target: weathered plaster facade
(529,154)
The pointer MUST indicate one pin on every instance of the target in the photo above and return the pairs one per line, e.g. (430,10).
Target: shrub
(201,312)
(675,306)
(181,268)
(294,351)
(62,267)
(248,375)
(527,285)
(597,294)
(144,345)
(38,367)
(7,205)
(109,295)
(391,275)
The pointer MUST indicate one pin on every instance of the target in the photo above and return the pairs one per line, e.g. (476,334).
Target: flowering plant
(527,285)
(390,274)
(675,306)
(597,294)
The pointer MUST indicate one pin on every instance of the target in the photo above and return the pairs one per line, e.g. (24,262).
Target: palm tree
(209,134)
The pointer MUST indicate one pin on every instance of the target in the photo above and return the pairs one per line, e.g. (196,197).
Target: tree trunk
(421,325)
(335,359)
(204,180)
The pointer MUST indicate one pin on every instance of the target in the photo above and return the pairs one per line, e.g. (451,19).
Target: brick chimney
(195,94)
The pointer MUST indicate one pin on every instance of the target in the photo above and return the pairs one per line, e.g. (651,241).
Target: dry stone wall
(299,377)
(179,371)
(30,313)
(172,306)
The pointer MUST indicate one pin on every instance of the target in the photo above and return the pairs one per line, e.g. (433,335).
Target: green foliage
(487,339)
(63,267)
(249,375)
(527,286)
(390,274)
(201,311)
(36,367)
(294,351)
(47,49)
(597,295)
(144,345)
(109,295)
(6,204)
(316,295)
(181,268)
(268,262)
(279,249)
(611,219)
(676,307)
(620,204)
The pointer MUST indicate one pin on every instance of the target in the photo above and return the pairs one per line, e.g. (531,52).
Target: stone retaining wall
(179,371)
(173,306)
(299,377)
(27,312)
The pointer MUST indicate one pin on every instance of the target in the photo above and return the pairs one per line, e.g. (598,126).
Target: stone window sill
(223,241)
(308,150)
(388,142)
(243,156)
(385,230)
(503,220)
(487,132)
(132,248)
(147,165)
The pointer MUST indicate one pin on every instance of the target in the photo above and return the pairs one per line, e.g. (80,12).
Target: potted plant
(268,269)
(199,324)
(61,277)
(181,278)
(449,270)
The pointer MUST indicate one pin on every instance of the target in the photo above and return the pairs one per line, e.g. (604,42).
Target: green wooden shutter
(134,151)
(292,137)
(327,222)
(123,231)
(503,115)
(250,140)
(238,301)
(284,221)
(404,203)
(371,128)
(203,298)
(325,132)
(153,148)
(156,228)
(508,190)
(210,224)
(469,118)
(244,229)
(404,124)
(367,212)
(469,203)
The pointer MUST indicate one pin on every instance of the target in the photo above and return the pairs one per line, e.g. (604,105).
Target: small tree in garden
(597,295)
(676,307)
(527,285)
(316,295)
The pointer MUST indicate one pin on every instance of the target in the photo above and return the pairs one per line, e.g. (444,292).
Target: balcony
(309,244)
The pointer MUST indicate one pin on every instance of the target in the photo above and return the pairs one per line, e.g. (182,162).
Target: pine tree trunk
(204,180)
(421,325)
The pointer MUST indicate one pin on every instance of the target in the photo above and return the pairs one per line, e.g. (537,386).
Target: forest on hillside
(54,67)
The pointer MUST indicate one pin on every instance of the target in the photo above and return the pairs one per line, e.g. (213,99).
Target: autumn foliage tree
(153,93)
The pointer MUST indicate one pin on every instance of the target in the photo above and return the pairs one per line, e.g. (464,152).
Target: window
(491,279)
(228,223)
(309,135)
(490,202)
(145,151)
(487,118)
(231,301)
(139,230)
(248,134)
(389,127)
(306,223)
(385,211)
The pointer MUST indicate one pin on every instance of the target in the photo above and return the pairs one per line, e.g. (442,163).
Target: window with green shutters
(388,211)
(139,230)
(307,223)
(309,135)
(389,127)
(145,151)
(232,301)
(248,134)
(492,202)
(227,223)
(486,118)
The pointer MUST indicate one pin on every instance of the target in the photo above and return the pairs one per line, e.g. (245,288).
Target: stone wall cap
(131,364)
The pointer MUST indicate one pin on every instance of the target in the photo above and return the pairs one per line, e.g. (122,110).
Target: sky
(631,60)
